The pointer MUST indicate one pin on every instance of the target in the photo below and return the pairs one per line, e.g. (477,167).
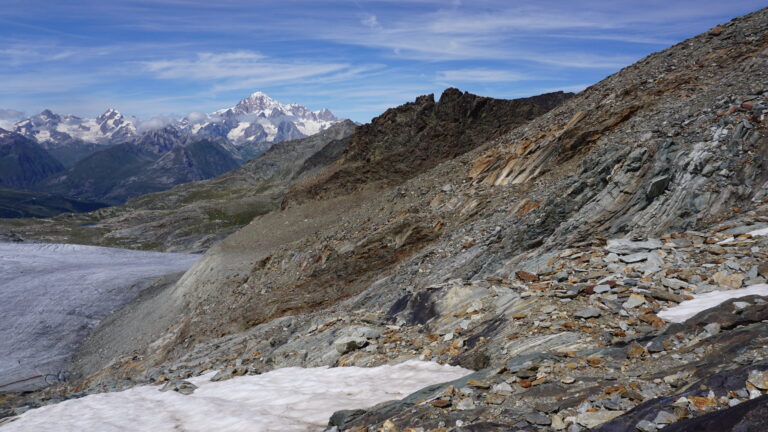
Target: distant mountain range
(111,158)
(253,125)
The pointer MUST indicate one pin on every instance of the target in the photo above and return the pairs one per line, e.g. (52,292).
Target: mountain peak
(257,101)
(259,95)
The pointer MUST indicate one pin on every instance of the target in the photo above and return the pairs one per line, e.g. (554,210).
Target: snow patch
(238,132)
(702,302)
(289,399)
(54,294)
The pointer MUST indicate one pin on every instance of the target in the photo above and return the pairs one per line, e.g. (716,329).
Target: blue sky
(172,57)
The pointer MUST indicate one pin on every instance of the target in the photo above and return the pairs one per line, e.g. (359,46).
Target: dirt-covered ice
(53,294)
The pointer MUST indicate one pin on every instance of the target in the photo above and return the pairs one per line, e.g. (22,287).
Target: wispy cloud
(479,75)
(239,70)
(354,57)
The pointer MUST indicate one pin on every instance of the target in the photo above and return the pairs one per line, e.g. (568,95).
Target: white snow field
(283,400)
(52,295)
(701,302)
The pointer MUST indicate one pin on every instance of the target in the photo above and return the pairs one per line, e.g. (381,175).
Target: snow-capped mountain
(52,130)
(259,119)
(252,126)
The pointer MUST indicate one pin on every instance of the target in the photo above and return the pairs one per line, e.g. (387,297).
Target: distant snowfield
(284,400)
(52,295)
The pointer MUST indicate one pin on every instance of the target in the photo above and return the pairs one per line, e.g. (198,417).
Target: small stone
(501,388)
(635,350)
(440,403)
(594,419)
(634,258)
(230,372)
(741,305)
(538,419)
(466,404)
(728,280)
(349,343)
(712,328)
(184,387)
(634,301)
(657,186)
(626,247)
(646,426)
(589,312)
(758,379)
(478,384)
(702,403)
(568,380)
(526,276)
(599,289)
(716,31)
(674,283)
(762,269)
(611,258)
(665,417)
(495,399)
(557,422)
(389,426)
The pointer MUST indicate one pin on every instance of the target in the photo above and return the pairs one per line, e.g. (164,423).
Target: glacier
(54,294)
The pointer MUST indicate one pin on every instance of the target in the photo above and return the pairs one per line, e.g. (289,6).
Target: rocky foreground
(568,261)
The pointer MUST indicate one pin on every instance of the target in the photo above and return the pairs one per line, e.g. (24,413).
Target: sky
(162,58)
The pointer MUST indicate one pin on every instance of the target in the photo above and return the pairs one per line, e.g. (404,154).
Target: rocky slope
(156,161)
(15,203)
(544,258)
(410,139)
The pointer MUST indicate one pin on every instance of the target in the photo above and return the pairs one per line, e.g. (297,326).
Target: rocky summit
(599,260)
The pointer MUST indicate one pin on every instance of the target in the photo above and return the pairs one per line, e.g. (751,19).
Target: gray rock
(466,404)
(626,247)
(674,283)
(712,328)
(364,332)
(538,419)
(588,312)
(634,301)
(657,186)
(594,419)
(635,257)
(601,289)
(179,386)
(665,417)
(349,343)
(340,419)
(646,426)
(230,372)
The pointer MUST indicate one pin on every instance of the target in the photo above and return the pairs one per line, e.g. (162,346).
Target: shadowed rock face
(410,139)
(24,162)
